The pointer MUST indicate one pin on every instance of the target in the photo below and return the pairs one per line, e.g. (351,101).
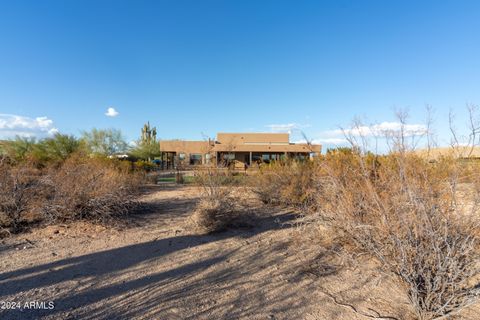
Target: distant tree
(19,148)
(343,150)
(105,141)
(57,148)
(147,147)
(41,152)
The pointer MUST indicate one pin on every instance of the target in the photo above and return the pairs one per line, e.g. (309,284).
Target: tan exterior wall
(185,146)
(268,148)
(237,143)
(253,138)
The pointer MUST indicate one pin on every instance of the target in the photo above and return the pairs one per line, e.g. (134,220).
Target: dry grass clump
(216,209)
(213,214)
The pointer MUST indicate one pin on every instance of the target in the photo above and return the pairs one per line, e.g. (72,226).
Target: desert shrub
(289,183)
(146,166)
(54,179)
(90,188)
(420,219)
(19,193)
(213,214)
(216,208)
(413,217)
(269,182)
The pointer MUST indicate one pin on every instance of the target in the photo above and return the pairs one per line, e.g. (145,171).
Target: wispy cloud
(111,112)
(334,141)
(287,128)
(13,125)
(384,129)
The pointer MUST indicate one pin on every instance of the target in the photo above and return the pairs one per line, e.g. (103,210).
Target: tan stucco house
(243,148)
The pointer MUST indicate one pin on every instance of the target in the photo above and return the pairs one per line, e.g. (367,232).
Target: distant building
(238,149)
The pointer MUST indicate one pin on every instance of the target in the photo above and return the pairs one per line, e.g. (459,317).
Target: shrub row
(79,188)
(419,219)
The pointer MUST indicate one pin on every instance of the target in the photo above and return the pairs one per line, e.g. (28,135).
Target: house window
(195,158)
(181,156)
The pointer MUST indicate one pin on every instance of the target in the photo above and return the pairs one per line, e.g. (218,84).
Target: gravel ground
(152,267)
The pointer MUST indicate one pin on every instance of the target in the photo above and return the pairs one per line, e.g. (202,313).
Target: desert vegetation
(216,208)
(418,218)
(221,202)
(415,217)
(63,179)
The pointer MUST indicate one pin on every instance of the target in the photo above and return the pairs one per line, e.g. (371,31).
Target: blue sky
(194,68)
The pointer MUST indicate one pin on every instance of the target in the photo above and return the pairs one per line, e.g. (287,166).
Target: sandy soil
(152,267)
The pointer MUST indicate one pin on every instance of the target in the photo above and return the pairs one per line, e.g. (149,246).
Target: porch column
(250,163)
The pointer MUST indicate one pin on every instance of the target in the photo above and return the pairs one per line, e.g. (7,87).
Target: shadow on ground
(142,281)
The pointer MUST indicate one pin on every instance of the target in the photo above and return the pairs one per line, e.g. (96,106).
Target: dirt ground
(153,267)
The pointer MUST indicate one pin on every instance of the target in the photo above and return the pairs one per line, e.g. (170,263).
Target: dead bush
(290,183)
(90,188)
(410,215)
(77,188)
(269,182)
(19,194)
(216,208)
(213,214)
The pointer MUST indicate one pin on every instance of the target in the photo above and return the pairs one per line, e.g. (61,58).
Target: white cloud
(383,129)
(111,112)
(286,128)
(13,125)
(335,141)
(330,141)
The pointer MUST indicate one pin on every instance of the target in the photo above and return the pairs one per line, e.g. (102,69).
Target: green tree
(105,141)
(19,149)
(42,152)
(57,148)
